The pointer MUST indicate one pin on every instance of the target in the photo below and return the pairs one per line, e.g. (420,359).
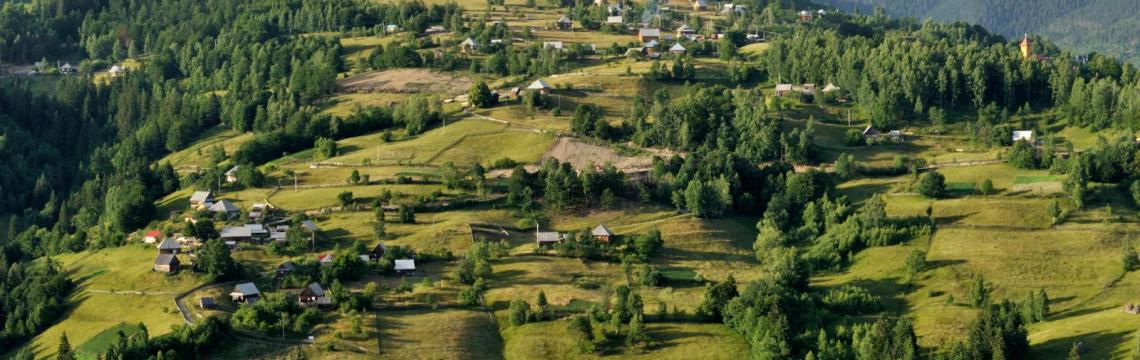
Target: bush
(851,300)
(932,185)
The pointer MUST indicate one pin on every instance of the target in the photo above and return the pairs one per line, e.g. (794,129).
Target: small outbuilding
(201,199)
(405,266)
(285,268)
(231,174)
(602,233)
(206,302)
(645,35)
(167,263)
(468,46)
(547,238)
(1026,135)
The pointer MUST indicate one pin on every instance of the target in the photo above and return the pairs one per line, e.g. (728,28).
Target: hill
(1103,26)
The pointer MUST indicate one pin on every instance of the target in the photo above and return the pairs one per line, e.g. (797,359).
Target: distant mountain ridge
(1104,26)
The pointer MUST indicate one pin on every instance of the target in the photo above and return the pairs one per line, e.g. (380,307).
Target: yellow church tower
(1026,48)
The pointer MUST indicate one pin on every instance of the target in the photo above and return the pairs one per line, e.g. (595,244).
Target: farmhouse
(236,234)
(312,295)
(169,246)
(564,23)
(231,174)
(68,69)
(153,236)
(405,266)
(245,293)
(325,259)
(206,302)
(279,233)
(875,135)
(602,233)
(541,86)
(645,35)
(201,199)
(166,263)
(435,29)
(805,15)
(225,208)
(258,211)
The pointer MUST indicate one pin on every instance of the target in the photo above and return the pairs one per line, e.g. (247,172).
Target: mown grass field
(439,334)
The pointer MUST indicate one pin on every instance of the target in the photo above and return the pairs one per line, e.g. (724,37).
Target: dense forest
(1104,26)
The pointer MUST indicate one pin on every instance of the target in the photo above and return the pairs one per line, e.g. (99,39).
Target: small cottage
(167,263)
(564,24)
(312,295)
(225,208)
(602,233)
(153,236)
(541,86)
(645,35)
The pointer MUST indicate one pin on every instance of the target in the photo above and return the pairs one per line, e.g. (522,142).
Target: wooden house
(167,263)
(201,199)
(645,35)
(169,246)
(245,293)
(602,233)
(313,295)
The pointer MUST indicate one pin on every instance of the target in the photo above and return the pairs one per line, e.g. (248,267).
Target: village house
(169,246)
(677,49)
(235,234)
(225,208)
(68,69)
(231,174)
(783,89)
(468,46)
(167,263)
(564,24)
(435,29)
(279,233)
(541,86)
(602,233)
(201,199)
(405,266)
(325,259)
(153,236)
(245,293)
(313,295)
(645,35)
(285,268)
(685,31)
(873,135)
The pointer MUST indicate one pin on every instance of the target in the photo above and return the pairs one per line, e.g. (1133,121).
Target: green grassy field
(440,334)
(551,340)
(115,286)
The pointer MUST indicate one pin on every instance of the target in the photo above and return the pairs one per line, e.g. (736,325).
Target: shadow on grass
(1096,345)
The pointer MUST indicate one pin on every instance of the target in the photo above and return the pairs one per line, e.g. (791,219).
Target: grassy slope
(93,309)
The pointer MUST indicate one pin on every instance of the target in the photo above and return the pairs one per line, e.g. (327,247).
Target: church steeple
(1026,47)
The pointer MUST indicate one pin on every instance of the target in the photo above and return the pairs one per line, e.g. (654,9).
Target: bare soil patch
(405,81)
(580,155)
